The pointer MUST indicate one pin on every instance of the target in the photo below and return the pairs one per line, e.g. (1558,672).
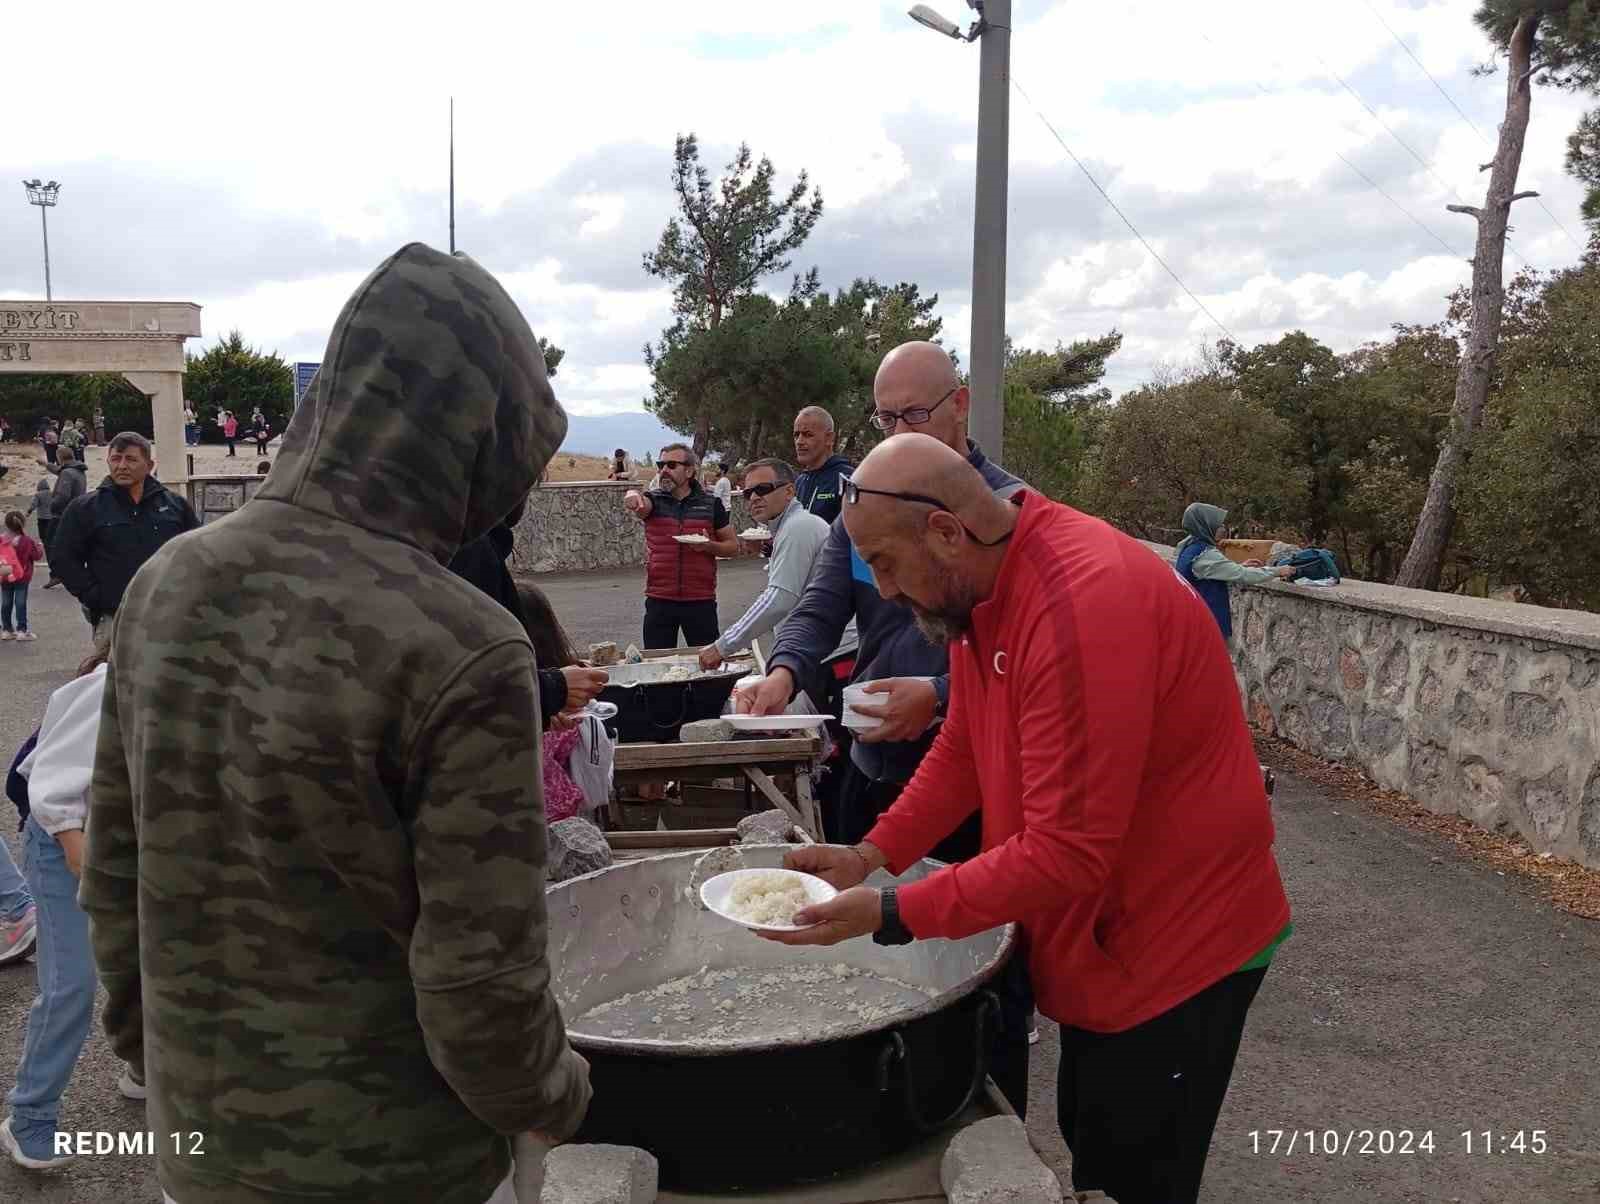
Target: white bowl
(714,894)
(857,695)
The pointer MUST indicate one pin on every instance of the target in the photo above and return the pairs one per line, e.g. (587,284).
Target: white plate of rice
(764,900)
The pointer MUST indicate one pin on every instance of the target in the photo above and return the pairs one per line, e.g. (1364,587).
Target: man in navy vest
(1202,564)
(685,530)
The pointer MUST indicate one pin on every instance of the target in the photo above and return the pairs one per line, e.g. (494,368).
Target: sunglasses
(851,492)
(763,489)
(885,420)
(673,464)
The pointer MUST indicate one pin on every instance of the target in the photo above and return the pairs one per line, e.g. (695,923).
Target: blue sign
(302,380)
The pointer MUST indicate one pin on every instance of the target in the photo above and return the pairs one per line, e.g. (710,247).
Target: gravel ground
(1422,989)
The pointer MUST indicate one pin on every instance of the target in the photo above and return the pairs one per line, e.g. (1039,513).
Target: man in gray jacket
(72,482)
(797,537)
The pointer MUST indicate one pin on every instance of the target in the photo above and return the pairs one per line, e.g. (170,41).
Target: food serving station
(666,689)
(746,1066)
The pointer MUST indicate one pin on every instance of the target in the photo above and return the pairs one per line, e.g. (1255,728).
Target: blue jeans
(14,897)
(58,1023)
(14,600)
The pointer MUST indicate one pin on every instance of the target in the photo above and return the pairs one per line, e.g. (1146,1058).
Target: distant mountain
(601,434)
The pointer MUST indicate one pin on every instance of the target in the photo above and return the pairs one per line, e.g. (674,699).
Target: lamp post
(989,212)
(44,196)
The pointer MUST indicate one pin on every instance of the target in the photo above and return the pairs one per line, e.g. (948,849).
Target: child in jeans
(58,772)
(19,552)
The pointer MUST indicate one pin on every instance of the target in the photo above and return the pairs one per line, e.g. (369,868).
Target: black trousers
(1137,1108)
(230,445)
(861,801)
(663,620)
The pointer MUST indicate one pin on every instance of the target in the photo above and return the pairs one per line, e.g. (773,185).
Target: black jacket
(103,539)
(482,562)
(841,586)
(819,489)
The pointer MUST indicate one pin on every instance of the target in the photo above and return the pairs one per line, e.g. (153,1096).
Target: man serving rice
(1095,725)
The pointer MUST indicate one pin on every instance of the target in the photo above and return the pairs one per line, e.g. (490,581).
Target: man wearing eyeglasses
(917,389)
(680,591)
(797,537)
(1097,728)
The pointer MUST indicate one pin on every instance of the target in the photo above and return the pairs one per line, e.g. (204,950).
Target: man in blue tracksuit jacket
(917,389)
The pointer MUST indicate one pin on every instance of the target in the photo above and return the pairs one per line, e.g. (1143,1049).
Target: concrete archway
(142,340)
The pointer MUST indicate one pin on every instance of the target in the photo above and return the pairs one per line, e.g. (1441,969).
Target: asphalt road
(1420,993)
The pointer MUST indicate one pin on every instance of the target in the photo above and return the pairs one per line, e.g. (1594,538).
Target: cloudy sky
(259,159)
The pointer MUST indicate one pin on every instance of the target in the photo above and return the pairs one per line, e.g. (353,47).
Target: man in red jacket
(680,589)
(1095,722)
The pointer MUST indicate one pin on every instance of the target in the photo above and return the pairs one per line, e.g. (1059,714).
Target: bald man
(821,469)
(1096,727)
(916,389)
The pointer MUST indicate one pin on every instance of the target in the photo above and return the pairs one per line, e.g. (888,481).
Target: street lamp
(44,196)
(993,26)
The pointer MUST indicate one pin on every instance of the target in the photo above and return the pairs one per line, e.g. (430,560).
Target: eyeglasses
(764,488)
(673,464)
(885,420)
(851,492)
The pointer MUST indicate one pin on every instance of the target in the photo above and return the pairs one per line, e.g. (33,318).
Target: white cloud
(320,135)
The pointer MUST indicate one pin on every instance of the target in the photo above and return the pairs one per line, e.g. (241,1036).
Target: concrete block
(706,731)
(766,827)
(991,1161)
(599,1174)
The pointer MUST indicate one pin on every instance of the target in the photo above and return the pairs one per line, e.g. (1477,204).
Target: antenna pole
(452,175)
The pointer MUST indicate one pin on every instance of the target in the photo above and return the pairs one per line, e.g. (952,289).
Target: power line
(1482,137)
(1088,175)
(1406,145)
(1376,187)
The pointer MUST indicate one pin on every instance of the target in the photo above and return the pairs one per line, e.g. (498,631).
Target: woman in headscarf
(1202,564)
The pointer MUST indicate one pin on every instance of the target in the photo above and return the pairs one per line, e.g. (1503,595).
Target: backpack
(8,556)
(1314,564)
(16,784)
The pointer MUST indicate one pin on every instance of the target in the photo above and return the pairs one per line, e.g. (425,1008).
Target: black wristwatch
(892,931)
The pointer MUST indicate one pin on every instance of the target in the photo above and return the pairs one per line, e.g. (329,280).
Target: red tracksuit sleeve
(939,797)
(1085,702)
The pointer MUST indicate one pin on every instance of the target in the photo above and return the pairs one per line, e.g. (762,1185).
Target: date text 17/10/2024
(140,1143)
(1368,1142)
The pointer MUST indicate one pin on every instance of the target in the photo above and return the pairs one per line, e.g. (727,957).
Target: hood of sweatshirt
(432,415)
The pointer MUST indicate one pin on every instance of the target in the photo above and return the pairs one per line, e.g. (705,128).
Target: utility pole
(452,175)
(987,420)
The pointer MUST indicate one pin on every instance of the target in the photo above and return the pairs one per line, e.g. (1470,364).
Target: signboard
(302,380)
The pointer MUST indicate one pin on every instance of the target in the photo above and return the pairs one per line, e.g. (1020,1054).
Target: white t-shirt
(724,491)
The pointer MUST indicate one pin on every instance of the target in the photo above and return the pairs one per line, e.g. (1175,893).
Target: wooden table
(757,760)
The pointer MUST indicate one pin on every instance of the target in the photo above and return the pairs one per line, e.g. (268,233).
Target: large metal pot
(730,1114)
(655,699)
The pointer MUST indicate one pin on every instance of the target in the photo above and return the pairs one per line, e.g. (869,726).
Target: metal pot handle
(986,1021)
(683,710)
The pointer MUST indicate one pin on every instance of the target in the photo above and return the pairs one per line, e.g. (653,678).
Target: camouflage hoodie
(315,868)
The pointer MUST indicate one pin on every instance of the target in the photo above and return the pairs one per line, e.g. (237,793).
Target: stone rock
(991,1161)
(766,827)
(1545,801)
(707,866)
(706,731)
(1351,669)
(599,1174)
(1392,674)
(1466,714)
(576,847)
(1532,717)
(1380,732)
(1589,816)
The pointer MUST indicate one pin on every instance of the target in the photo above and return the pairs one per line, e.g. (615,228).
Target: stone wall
(582,526)
(1488,710)
(212,497)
